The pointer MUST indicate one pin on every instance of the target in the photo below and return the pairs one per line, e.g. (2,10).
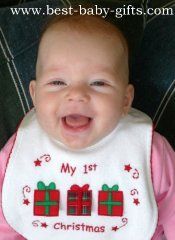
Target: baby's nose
(78,94)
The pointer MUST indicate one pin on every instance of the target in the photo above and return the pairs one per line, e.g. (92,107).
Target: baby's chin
(72,142)
(77,144)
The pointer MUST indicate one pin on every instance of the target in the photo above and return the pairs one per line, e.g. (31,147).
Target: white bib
(103,192)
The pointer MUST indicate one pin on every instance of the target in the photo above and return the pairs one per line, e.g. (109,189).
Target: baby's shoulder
(160,143)
(8,146)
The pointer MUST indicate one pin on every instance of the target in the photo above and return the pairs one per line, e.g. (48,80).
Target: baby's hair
(87,24)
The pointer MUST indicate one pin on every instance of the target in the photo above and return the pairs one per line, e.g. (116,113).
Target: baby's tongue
(75,120)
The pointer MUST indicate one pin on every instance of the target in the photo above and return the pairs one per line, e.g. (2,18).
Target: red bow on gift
(78,188)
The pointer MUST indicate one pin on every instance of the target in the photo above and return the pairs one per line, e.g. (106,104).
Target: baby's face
(80,92)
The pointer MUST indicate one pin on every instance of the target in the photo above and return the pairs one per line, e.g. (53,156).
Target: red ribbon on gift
(78,188)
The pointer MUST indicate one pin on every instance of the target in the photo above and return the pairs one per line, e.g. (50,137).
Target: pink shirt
(163,169)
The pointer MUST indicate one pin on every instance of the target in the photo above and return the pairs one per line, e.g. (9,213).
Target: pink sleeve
(6,232)
(163,168)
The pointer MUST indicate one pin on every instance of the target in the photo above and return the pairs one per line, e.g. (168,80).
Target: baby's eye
(58,83)
(98,83)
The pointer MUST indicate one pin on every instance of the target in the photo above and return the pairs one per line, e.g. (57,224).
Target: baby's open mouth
(76,122)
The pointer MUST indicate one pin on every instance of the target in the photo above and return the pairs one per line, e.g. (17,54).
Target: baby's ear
(32,90)
(129,96)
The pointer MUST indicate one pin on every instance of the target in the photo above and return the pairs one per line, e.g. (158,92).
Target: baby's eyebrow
(104,69)
(57,68)
(41,67)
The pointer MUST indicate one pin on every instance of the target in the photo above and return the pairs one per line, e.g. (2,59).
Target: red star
(128,167)
(44,225)
(26,202)
(136,201)
(115,228)
(37,163)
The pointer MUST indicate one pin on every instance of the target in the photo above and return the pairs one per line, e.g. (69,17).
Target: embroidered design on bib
(37,223)
(133,193)
(128,168)
(124,223)
(135,173)
(46,200)
(26,190)
(79,200)
(40,160)
(110,201)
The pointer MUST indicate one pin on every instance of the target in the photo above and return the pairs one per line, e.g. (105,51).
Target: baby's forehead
(85,26)
(88,33)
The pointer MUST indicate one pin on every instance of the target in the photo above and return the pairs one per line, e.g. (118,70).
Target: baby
(83,164)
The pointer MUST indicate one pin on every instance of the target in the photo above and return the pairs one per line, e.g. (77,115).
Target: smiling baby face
(82,89)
